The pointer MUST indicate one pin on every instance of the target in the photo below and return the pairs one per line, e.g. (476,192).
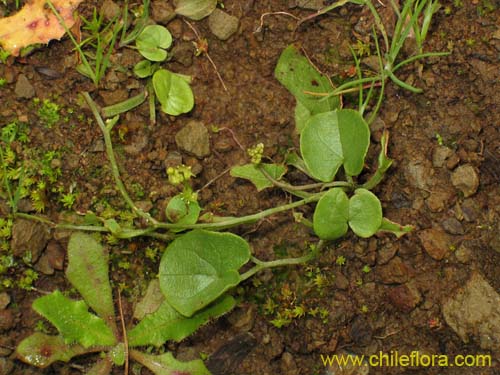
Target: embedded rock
(24,89)
(194,139)
(435,242)
(465,179)
(473,313)
(29,236)
(222,25)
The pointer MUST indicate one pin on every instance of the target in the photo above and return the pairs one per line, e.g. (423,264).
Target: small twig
(214,179)
(259,29)
(204,50)
(234,138)
(124,331)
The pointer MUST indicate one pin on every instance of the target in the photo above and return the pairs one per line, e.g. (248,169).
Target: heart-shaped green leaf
(182,211)
(144,69)
(252,172)
(73,320)
(195,9)
(332,139)
(199,266)
(365,213)
(331,215)
(295,72)
(153,42)
(173,92)
(167,324)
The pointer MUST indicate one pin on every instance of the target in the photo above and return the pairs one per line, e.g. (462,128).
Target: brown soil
(395,306)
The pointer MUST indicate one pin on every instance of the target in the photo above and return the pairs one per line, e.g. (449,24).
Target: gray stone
(29,236)
(194,139)
(440,155)
(222,25)
(243,319)
(473,312)
(183,53)
(453,226)
(418,174)
(435,242)
(111,97)
(24,89)
(465,179)
(162,12)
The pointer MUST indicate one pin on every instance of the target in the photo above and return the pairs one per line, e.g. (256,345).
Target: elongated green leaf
(397,229)
(166,364)
(297,74)
(251,172)
(167,324)
(73,320)
(331,215)
(332,139)
(88,272)
(199,266)
(195,9)
(365,213)
(153,41)
(173,92)
(42,350)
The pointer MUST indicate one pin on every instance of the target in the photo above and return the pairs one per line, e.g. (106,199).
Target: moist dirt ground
(430,291)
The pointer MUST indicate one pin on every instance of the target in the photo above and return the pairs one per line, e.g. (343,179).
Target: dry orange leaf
(35,23)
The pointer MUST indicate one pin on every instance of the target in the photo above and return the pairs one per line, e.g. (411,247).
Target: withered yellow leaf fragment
(35,23)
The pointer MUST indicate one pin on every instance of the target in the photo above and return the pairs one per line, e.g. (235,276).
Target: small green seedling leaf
(153,42)
(331,215)
(117,354)
(397,229)
(251,172)
(195,9)
(152,300)
(173,92)
(199,266)
(365,213)
(144,69)
(42,350)
(88,272)
(182,211)
(167,324)
(166,364)
(295,72)
(73,320)
(332,139)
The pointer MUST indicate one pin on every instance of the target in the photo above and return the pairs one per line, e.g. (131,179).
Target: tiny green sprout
(323,314)
(321,281)
(362,48)
(270,306)
(366,269)
(364,309)
(123,264)
(152,253)
(27,280)
(340,261)
(470,42)
(299,311)
(179,174)
(447,10)
(48,112)
(3,82)
(68,200)
(359,282)
(255,153)
(452,247)
(439,139)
